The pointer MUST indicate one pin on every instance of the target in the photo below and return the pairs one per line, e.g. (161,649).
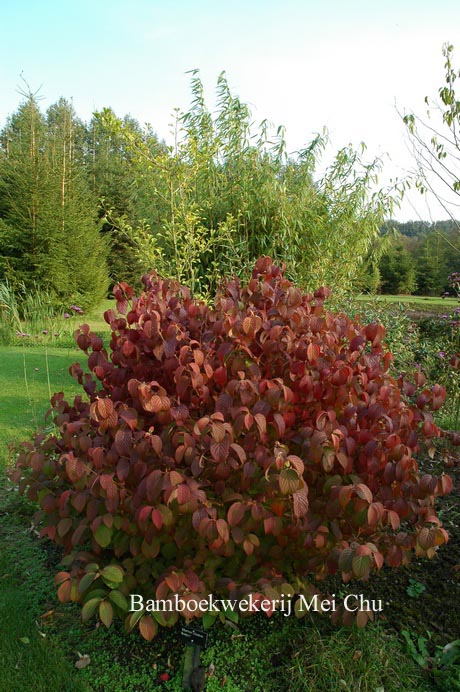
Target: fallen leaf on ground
(83,661)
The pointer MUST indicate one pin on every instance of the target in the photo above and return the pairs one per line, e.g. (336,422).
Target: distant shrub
(239,449)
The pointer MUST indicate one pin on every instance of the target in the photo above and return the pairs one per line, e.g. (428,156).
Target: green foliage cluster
(418,258)
(423,255)
(49,228)
(443,662)
(79,202)
(226,193)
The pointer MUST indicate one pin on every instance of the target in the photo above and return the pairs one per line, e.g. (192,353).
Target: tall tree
(23,191)
(50,229)
(111,168)
(397,270)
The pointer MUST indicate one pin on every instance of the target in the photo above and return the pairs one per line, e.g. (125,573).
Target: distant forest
(418,258)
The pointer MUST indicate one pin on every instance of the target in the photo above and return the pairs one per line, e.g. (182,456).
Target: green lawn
(29,660)
(24,400)
(436,303)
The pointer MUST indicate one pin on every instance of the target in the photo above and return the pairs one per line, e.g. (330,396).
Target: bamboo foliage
(226,192)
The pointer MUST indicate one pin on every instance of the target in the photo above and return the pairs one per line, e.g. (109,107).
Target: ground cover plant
(232,432)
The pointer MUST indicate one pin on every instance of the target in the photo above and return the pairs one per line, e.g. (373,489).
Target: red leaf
(220,450)
(289,481)
(313,352)
(218,431)
(280,424)
(239,451)
(444,484)
(123,442)
(261,423)
(64,591)
(220,376)
(374,513)
(300,502)
(104,407)
(393,518)
(148,628)
(362,618)
(222,528)
(183,494)
(363,492)
(145,513)
(153,484)
(235,513)
(157,519)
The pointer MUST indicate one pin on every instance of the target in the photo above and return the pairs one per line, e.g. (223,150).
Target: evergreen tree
(397,271)
(49,228)
(431,266)
(77,263)
(23,192)
(111,167)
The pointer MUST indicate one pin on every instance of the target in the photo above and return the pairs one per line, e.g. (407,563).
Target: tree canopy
(85,204)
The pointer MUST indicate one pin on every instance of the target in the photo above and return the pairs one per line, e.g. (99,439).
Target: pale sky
(304,64)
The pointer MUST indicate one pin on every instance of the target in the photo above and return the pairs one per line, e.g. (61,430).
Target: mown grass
(274,655)
(27,379)
(434,303)
(30,660)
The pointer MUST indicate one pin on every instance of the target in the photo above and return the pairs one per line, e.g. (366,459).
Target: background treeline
(83,205)
(418,258)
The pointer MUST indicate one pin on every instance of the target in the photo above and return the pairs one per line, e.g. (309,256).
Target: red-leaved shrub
(234,450)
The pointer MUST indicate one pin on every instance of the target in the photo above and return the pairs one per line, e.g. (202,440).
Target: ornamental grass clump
(249,448)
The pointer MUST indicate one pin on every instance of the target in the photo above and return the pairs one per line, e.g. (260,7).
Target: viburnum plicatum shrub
(245,448)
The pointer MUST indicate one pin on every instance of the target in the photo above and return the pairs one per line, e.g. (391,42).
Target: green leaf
(119,599)
(103,535)
(208,620)
(345,560)
(133,618)
(151,550)
(286,590)
(86,581)
(232,616)
(89,609)
(94,593)
(112,574)
(106,613)
(361,565)
(169,550)
(299,612)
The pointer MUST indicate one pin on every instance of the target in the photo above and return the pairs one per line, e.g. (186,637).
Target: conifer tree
(23,190)
(49,228)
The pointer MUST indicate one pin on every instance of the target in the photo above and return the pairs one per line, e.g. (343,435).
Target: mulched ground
(436,609)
